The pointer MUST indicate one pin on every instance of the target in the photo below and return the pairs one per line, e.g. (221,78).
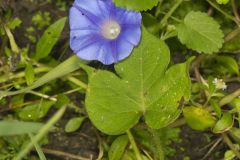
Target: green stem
(158,8)
(172,17)
(235,11)
(77,82)
(166,17)
(134,145)
(230,144)
(57,72)
(40,70)
(38,148)
(222,11)
(233,34)
(22,74)
(42,132)
(43,96)
(227,99)
(169,35)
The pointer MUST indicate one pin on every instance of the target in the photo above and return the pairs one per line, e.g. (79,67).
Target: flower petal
(131,33)
(124,48)
(80,39)
(89,52)
(94,7)
(128,17)
(79,21)
(105,55)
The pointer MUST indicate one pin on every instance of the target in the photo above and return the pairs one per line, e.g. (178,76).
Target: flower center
(111,30)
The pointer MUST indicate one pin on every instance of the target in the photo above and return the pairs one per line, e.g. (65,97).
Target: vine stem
(134,145)
(168,15)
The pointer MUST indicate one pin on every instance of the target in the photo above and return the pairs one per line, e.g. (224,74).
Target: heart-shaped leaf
(142,87)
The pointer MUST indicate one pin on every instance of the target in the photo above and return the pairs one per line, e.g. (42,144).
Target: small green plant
(167,67)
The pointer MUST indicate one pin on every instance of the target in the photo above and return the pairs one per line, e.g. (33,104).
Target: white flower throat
(111,30)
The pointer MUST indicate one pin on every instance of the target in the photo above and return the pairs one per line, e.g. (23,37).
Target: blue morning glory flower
(101,31)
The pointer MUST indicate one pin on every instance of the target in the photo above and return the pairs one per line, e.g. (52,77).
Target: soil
(84,142)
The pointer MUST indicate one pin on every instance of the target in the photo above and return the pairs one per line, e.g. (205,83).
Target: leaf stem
(170,12)
(134,145)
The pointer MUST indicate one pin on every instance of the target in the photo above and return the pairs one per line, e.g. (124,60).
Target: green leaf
(36,111)
(198,118)
(221,65)
(118,147)
(62,100)
(137,5)
(151,23)
(143,86)
(229,63)
(236,103)
(233,45)
(222,1)
(229,155)
(29,74)
(74,124)
(200,33)
(235,133)
(224,124)
(49,38)
(10,128)
(16,22)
